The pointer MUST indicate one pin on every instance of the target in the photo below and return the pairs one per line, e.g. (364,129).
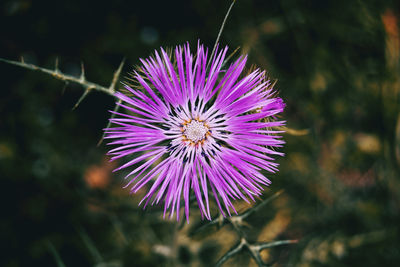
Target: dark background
(337,65)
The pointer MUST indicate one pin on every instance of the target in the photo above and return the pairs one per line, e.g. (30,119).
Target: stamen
(195,131)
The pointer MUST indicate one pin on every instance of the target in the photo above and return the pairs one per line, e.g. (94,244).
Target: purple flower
(189,128)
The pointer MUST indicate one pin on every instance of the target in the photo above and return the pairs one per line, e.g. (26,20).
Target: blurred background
(337,66)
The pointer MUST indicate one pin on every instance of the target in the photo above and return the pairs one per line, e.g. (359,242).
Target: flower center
(195,131)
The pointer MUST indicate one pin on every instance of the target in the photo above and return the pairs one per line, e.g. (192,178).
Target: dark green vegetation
(337,65)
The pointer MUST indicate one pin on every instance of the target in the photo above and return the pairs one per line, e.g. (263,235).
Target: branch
(237,221)
(254,250)
(251,210)
(232,252)
(56,73)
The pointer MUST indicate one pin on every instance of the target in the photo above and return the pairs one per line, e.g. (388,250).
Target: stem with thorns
(81,80)
(88,86)
(237,221)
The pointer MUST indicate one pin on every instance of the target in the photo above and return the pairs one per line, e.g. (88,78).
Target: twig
(250,211)
(56,256)
(56,73)
(220,32)
(232,252)
(239,218)
(90,245)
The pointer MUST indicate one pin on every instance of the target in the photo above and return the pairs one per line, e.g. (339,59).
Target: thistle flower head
(188,128)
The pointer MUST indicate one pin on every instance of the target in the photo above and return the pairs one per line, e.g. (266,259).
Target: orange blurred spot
(390,23)
(99,176)
(272,26)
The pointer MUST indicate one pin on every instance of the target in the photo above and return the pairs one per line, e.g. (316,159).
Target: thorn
(64,87)
(109,121)
(116,76)
(82,78)
(22,59)
(230,56)
(56,69)
(273,83)
(82,97)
